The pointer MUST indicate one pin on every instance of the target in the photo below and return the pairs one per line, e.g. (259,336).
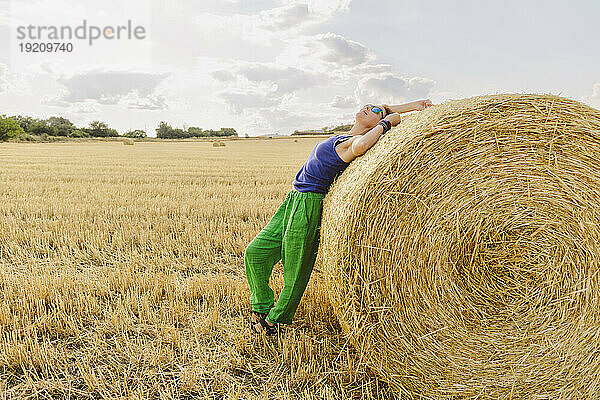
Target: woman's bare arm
(399,108)
(416,105)
(364,142)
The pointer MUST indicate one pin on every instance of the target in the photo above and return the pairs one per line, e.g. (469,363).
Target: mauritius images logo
(61,38)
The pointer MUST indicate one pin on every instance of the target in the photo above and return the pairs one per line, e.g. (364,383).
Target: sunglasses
(375,109)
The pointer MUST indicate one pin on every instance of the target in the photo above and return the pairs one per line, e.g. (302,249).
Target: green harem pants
(292,236)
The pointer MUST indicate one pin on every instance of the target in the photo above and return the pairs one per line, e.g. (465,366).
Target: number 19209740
(43,47)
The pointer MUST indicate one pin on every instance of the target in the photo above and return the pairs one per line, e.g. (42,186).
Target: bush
(100,129)
(26,137)
(63,126)
(41,128)
(9,128)
(78,133)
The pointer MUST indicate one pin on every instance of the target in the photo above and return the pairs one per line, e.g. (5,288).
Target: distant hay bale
(128,142)
(462,251)
(295,140)
(218,144)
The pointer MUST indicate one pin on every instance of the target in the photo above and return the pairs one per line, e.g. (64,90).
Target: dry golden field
(122,276)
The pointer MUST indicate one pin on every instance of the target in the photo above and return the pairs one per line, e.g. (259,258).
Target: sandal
(259,318)
(255,317)
(268,329)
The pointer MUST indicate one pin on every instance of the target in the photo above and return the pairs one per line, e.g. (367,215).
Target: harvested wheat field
(122,276)
(462,251)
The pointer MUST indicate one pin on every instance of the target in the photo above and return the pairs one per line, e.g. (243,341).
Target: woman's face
(367,117)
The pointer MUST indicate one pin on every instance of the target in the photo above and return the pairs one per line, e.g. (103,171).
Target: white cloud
(15,83)
(109,87)
(285,79)
(287,17)
(215,31)
(301,14)
(343,51)
(593,99)
(280,120)
(150,102)
(240,100)
(229,7)
(391,88)
(327,52)
(222,75)
(343,101)
(254,34)
(371,69)
(259,85)
(326,7)
(86,108)
(263,29)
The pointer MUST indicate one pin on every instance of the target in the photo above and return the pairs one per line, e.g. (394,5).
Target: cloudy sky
(273,66)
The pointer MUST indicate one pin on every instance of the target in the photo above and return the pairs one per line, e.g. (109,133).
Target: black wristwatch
(387,125)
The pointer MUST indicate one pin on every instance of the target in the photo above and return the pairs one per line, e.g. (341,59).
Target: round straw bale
(218,143)
(462,251)
(128,142)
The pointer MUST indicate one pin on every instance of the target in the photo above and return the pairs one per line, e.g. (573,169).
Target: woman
(292,234)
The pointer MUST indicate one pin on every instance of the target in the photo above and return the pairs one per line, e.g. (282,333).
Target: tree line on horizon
(27,127)
(166,131)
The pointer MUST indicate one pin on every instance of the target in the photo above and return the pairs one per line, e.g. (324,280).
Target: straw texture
(462,250)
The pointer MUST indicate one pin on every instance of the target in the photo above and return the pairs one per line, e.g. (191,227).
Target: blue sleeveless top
(322,166)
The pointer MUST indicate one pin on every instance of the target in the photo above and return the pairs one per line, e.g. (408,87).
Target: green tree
(194,131)
(62,125)
(178,133)
(42,128)
(100,129)
(342,128)
(9,128)
(24,121)
(228,132)
(164,130)
(112,132)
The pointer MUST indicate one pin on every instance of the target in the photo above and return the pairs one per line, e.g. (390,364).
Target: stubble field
(122,276)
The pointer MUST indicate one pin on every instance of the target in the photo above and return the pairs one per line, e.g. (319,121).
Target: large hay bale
(218,144)
(128,142)
(462,251)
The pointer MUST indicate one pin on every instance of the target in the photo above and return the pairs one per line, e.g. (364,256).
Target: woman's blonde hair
(387,110)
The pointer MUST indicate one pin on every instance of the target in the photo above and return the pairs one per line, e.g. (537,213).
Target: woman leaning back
(292,234)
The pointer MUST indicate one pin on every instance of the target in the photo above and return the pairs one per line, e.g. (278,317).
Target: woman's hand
(394,118)
(420,105)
